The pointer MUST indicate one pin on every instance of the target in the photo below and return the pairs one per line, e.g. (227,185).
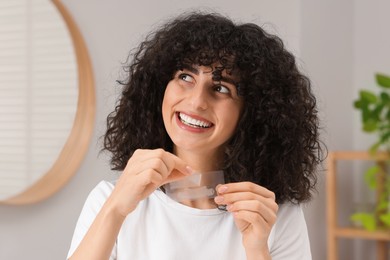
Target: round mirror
(47,99)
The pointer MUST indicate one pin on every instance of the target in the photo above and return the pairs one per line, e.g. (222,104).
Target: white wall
(327,52)
(111,29)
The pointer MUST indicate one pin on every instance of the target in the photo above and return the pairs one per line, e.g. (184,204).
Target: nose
(198,97)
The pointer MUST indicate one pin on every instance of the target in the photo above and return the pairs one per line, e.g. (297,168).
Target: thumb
(179,171)
(181,166)
(175,176)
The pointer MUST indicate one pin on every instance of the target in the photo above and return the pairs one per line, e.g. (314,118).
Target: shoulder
(290,239)
(290,219)
(289,211)
(102,190)
(96,198)
(94,202)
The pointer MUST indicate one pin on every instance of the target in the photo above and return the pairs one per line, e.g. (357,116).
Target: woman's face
(199,113)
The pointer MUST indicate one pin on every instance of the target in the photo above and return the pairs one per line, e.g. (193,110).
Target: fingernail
(229,207)
(189,170)
(218,199)
(222,189)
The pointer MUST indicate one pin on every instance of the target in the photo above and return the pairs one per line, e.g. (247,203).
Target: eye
(222,89)
(185,77)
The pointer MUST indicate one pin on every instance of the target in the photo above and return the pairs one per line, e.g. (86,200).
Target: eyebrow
(221,78)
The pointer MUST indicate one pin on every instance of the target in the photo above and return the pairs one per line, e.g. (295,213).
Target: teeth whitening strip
(196,186)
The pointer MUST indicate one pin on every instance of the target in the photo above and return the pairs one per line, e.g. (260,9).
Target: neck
(201,161)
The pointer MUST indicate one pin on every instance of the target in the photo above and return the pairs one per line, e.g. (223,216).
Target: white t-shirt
(161,228)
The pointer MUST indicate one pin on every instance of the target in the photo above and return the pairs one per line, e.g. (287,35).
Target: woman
(205,94)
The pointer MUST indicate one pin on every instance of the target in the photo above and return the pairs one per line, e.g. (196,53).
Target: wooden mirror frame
(76,146)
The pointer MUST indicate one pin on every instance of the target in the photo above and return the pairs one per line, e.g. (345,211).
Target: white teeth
(193,122)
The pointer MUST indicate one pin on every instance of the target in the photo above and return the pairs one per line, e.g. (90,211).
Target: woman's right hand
(145,171)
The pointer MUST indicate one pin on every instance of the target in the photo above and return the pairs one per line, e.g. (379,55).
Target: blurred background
(340,45)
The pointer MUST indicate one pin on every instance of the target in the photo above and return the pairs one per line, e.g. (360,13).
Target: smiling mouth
(187,120)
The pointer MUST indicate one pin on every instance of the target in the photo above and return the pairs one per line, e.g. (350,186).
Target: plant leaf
(377,111)
(383,80)
(382,205)
(374,147)
(366,219)
(368,96)
(384,137)
(385,218)
(370,126)
(385,97)
(358,103)
(370,176)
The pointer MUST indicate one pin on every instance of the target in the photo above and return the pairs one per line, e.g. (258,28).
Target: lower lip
(189,128)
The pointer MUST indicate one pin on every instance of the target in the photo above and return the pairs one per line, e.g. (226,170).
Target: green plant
(375,115)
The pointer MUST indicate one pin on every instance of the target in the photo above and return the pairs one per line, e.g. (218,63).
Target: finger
(157,159)
(170,161)
(168,165)
(255,220)
(245,186)
(154,163)
(154,159)
(178,168)
(254,206)
(174,176)
(140,161)
(150,176)
(175,163)
(149,181)
(229,198)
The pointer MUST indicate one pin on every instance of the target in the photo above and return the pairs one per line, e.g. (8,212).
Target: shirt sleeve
(291,240)
(91,208)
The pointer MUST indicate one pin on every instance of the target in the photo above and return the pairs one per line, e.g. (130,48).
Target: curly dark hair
(276,143)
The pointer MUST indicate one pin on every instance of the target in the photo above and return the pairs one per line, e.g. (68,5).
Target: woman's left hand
(254,210)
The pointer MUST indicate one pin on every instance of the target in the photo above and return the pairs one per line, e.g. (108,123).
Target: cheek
(234,113)
(168,101)
(165,107)
(234,117)
(231,117)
